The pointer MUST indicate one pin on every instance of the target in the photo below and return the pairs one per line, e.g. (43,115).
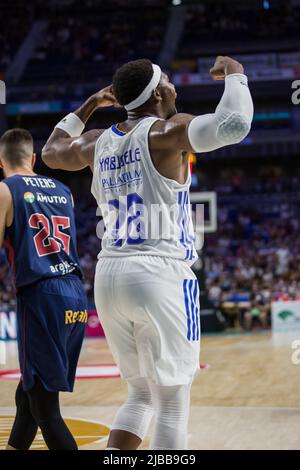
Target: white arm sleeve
(231,121)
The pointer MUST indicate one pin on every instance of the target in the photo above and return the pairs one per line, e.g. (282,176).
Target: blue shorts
(51,317)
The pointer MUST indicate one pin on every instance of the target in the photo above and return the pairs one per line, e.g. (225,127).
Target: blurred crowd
(252,261)
(92,38)
(13,29)
(81,40)
(239,20)
(237,179)
(7,290)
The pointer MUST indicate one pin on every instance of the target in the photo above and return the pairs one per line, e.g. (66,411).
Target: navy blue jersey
(41,242)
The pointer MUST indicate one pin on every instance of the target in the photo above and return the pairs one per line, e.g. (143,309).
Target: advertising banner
(286,316)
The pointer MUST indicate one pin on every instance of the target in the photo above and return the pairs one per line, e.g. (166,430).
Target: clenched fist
(105,97)
(224,66)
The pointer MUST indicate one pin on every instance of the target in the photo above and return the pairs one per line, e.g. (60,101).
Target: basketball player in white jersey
(145,291)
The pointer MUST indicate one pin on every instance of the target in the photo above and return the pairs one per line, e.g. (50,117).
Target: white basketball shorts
(149,309)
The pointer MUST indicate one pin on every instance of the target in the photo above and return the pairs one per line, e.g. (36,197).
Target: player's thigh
(166,314)
(118,329)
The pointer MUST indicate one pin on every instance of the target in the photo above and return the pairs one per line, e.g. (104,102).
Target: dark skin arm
(6,210)
(66,153)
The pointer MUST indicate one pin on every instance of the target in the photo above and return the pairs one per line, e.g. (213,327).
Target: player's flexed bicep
(70,153)
(66,148)
(6,208)
(229,124)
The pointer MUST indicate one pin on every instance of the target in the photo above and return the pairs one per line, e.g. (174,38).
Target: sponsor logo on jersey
(115,162)
(128,177)
(80,316)
(51,199)
(63,268)
(29,197)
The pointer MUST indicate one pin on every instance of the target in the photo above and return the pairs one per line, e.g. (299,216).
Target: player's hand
(105,97)
(224,66)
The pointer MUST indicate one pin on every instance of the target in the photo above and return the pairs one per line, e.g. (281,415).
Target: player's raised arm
(229,124)
(5,209)
(66,148)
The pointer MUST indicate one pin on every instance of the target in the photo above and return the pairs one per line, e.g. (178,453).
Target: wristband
(72,125)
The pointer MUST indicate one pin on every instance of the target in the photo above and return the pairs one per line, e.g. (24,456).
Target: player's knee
(172,404)
(44,405)
(136,413)
(139,398)
(139,393)
(20,396)
(44,411)
(22,403)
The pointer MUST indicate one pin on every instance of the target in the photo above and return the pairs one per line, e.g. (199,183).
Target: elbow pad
(233,128)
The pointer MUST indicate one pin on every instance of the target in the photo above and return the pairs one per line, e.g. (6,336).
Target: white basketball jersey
(144,212)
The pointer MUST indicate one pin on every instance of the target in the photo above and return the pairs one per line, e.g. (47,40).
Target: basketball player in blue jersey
(37,229)
(145,291)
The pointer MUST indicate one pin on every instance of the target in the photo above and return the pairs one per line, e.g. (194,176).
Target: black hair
(131,79)
(16,146)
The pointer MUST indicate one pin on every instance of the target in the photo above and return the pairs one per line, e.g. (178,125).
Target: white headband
(145,95)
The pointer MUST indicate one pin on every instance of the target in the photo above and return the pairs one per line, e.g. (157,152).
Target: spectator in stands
(257,315)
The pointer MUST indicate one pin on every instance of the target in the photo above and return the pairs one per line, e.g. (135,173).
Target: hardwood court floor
(248,398)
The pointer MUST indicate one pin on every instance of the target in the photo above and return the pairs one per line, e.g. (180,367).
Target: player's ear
(33,159)
(1,165)
(157,95)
